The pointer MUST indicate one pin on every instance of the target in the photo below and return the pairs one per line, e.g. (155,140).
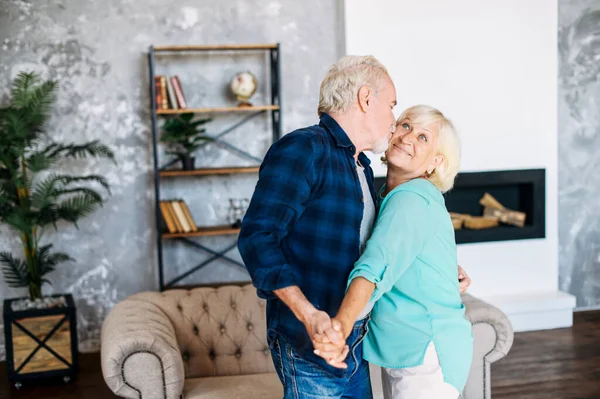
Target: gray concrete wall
(578,146)
(97,51)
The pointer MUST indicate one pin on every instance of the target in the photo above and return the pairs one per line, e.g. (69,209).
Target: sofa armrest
(139,352)
(479,312)
(493,338)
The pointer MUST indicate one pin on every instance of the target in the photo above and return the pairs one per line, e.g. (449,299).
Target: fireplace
(517,190)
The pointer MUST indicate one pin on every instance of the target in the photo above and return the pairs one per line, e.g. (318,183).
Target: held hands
(328,338)
(333,353)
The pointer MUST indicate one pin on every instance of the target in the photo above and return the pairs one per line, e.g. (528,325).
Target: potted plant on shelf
(183,136)
(40,331)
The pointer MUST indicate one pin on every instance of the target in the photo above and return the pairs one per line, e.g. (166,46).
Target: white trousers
(421,382)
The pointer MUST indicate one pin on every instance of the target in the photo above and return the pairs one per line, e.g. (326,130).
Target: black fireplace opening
(518,190)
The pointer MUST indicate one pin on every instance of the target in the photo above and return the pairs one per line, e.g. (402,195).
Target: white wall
(490,66)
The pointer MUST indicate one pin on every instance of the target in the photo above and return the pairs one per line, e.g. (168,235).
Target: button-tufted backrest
(220,331)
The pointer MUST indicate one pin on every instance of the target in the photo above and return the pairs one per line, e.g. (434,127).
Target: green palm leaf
(41,99)
(21,87)
(38,161)
(48,261)
(14,270)
(16,128)
(27,92)
(76,207)
(19,221)
(53,186)
(93,148)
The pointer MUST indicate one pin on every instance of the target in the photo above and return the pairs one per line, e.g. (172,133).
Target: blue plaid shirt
(303,224)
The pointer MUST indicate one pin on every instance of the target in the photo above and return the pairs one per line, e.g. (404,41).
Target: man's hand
(463,280)
(332,352)
(324,335)
(320,329)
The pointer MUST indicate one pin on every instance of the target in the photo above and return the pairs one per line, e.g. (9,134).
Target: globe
(243,86)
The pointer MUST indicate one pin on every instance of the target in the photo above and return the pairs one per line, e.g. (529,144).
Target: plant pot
(41,344)
(187,162)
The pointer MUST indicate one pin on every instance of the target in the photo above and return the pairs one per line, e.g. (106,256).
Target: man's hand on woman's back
(463,279)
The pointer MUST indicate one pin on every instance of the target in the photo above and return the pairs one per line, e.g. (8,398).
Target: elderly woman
(418,332)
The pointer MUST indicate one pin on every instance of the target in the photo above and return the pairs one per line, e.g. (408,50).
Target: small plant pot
(187,162)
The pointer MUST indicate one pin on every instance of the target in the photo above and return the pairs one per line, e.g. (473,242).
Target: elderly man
(311,214)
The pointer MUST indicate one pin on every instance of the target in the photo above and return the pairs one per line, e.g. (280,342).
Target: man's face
(382,122)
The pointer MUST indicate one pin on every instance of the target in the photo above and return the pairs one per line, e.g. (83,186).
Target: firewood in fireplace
(480,222)
(489,201)
(506,216)
(457,223)
(458,219)
(493,208)
(460,216)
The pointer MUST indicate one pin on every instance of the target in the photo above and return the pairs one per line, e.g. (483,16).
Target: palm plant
(32,197)
(183,137)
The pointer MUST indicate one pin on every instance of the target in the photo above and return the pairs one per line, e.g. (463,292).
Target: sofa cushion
(220,331)
(259,386)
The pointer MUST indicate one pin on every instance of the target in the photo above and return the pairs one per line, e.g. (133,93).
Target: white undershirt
(366,225)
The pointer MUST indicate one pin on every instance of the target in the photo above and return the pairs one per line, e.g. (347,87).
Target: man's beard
(381,146)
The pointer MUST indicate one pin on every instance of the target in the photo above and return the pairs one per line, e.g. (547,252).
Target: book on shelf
(181,217)
(178,92)
(171,95)
(177,216)
(163,93)
(167,217)
(188,215)
(157,90)
(170,214)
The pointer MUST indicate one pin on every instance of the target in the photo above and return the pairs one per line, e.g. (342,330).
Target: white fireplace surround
(491,67)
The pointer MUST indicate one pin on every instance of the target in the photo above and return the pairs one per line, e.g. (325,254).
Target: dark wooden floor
(88,385)
(557,364)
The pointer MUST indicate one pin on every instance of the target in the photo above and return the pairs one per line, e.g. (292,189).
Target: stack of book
(169,94)
(177,216)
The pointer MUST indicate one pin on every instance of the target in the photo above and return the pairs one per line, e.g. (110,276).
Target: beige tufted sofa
(211,343)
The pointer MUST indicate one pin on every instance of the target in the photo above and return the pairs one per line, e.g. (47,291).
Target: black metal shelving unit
(161,171)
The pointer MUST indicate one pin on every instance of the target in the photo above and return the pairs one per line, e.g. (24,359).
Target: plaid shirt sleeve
(285,180)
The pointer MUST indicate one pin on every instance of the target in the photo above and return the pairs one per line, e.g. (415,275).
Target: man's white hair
(339,88)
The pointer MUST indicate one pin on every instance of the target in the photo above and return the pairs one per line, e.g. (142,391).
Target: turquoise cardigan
(411,257)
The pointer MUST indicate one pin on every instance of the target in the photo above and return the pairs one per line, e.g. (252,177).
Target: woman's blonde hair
(340,86)
(444,174)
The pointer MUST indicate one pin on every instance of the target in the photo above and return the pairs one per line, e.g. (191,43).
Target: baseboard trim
(533,312)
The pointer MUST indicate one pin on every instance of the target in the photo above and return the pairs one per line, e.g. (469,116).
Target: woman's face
(413,148)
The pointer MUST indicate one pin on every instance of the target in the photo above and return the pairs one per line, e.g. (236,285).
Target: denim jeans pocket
(276,355)
(311,363)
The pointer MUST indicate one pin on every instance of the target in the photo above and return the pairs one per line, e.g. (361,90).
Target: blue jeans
(303,378)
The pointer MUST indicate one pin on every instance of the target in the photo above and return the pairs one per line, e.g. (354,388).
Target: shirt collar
(341,138)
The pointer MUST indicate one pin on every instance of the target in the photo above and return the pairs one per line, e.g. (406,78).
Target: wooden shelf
(224,47)
(205,231)
(209,171)
(217,109)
